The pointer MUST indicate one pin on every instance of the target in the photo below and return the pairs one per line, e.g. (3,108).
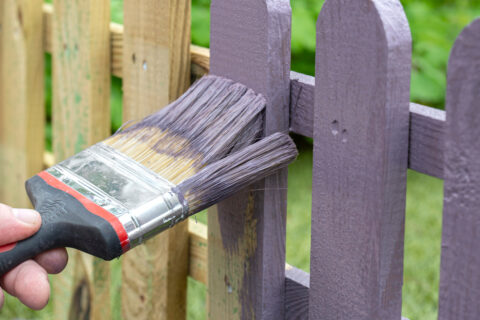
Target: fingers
(29,283)
(17,224)
(53,261)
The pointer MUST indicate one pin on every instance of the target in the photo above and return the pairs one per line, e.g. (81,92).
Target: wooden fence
(366,134)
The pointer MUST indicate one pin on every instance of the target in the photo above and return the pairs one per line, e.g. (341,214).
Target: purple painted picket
(250,43)
(366,133)
(460,263)
(361,122)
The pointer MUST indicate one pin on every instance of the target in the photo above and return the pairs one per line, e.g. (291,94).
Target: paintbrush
(115,195)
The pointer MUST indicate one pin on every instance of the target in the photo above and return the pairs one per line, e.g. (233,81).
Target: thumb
(17,224)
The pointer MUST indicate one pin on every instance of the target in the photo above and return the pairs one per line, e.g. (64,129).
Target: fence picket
(250,43)
(460,262)
(360,136)
(21,97)
(156,70)
(81,117)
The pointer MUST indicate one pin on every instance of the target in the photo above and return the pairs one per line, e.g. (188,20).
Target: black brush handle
(66,222)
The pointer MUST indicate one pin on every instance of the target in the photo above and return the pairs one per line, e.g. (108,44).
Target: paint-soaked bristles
(225,177)
(214,117)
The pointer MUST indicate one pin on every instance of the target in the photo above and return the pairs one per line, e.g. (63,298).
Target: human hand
(28,281)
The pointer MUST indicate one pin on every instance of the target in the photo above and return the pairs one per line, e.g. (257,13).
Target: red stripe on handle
(90,206)
(7,247)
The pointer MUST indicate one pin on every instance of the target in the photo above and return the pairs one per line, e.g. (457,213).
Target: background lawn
(435,25)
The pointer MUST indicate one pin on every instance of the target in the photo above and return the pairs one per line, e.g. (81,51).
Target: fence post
(156,70)
(459,275)
(361,115)
(21,97)
(81,117)
(250,43)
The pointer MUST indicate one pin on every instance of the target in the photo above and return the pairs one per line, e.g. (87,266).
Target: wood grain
(297,284)
(363,60)
(155,70)
(460,261)
(250,43)
(21,98)
(116,43)
(198,257)
(200,57)
(81,298)
(81,117)
(200,61)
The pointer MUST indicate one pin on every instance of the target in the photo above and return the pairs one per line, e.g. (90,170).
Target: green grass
(422,246)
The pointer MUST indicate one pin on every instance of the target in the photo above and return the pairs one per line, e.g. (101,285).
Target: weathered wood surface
(81,80)
(297,283)
(250,43)
(198,257)
(156,43)
(200,57)
(21,98)
(460,261)
(363,60)
(155,54)
(116,42)
(81,117)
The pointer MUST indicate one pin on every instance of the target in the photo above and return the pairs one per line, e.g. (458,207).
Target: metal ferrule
(142,200)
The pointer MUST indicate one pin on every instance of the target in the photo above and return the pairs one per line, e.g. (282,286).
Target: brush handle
(66,222)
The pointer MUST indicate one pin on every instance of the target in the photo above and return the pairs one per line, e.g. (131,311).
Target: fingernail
(26,215)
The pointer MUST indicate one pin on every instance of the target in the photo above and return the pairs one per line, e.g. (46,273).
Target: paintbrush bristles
(225,177)
(202,142)
(214,117)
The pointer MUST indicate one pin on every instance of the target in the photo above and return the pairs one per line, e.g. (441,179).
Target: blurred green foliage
(435,24)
